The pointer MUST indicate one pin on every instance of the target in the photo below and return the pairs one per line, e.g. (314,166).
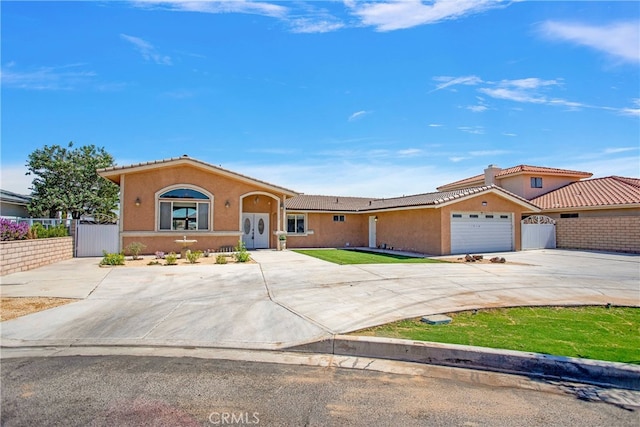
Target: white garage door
(473,232)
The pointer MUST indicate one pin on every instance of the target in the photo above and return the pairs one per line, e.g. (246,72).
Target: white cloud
(308,25)
(477,108)
(435,125)
(410,152)
(475,130)
(619,150)
(457,159)
(217,6)
(66,77)
(147,50)
(358,115)
(396,15)
(620,40)
(448,81)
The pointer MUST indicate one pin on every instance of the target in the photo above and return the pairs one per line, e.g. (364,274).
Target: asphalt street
(184,391)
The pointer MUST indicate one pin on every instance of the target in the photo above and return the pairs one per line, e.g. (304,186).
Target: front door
(255,230)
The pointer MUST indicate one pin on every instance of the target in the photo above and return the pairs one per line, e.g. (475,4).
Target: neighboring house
(13,204)
(168,200)
(599,213)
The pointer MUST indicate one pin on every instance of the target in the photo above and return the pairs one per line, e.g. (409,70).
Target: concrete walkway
(287,299)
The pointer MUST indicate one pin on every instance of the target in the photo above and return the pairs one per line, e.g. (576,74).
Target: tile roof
(515,170)
(11,197)
(597,192)
(362,204)
(541,169)
(106,172)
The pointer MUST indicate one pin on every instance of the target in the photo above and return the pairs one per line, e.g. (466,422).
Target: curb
(534,365)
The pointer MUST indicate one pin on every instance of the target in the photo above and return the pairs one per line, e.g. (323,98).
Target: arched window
(184,209)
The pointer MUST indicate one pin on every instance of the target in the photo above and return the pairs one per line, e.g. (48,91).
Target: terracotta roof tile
(597,192)
(109,172)
(478,180)
(362,204)
(541,169)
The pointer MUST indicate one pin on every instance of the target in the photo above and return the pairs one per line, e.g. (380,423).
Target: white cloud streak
(147,50)
(620,40)
(397,15)
(66,77)
(358,115)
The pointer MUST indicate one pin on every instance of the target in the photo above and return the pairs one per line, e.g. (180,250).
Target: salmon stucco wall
(415,230)
(521,184)
(327,233)
(230,197)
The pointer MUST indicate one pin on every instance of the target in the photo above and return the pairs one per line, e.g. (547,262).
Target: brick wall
(22,255)
(614,233)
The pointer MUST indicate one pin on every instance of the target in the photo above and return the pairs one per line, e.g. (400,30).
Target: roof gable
(611,191)
(113,173)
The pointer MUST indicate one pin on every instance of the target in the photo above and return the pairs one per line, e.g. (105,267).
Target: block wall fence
(614,233)
(22,255)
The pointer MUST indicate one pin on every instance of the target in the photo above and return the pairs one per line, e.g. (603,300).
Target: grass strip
(344,257)
(594,332)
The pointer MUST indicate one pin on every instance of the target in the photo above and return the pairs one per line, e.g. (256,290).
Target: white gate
(538,232)
(94,239)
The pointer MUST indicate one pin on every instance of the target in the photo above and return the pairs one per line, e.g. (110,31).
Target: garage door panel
(481,233)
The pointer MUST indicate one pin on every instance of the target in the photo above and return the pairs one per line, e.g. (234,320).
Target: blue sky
(371,99)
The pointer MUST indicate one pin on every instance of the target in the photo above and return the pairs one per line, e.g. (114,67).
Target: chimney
(490,174)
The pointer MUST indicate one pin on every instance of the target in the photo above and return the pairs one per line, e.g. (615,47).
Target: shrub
(10,230)
(39,231)
(112,259)
(171,258)
(221,259)
(241,254)
(193,256)
(134,248)
(159,255)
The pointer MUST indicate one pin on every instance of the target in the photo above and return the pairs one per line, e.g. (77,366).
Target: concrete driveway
(287,299)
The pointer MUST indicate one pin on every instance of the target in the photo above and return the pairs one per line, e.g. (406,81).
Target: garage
(478,232)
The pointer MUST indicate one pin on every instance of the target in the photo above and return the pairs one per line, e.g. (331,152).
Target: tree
(66,181)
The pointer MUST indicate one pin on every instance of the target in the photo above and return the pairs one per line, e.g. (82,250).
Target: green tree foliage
(65,180)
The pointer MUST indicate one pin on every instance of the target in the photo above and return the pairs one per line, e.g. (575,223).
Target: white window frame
(535,180)
(339,218)
(197,202)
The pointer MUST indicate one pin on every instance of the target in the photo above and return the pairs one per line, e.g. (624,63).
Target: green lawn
(342,257)
(588,332)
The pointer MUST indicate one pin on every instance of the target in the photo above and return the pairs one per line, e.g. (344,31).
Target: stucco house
(167,200)
(597,213)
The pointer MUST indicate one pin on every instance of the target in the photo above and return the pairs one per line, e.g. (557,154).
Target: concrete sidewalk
(287,299)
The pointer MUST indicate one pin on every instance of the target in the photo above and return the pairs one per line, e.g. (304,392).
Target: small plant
(134,248)
(153,262)
(193,256)
(282,237)
(241,254)
(39,231)
(171,258)
(112,259)
(10,230)
(221,259)
(159,255)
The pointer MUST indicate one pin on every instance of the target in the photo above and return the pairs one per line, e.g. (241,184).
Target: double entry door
(255,230)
